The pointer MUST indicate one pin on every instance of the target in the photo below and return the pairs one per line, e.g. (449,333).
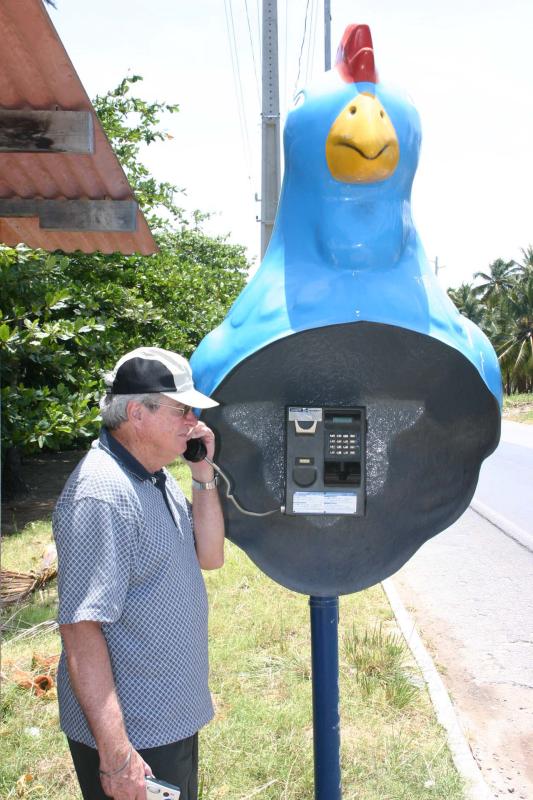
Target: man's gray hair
(114,407)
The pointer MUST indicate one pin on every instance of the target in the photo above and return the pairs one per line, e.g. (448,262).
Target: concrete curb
(509,528)
(462,756)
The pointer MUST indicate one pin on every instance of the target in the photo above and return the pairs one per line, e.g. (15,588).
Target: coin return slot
(339,473)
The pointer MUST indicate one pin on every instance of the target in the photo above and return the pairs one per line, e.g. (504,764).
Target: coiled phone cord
(234,501)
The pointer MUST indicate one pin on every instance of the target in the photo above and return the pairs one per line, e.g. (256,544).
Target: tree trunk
(13,483)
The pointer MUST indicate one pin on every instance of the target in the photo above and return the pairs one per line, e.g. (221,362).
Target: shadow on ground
(45,474)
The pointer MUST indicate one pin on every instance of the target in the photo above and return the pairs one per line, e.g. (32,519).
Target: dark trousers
(175,763)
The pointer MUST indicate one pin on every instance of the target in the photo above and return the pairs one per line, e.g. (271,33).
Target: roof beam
(75,215)
(30,131)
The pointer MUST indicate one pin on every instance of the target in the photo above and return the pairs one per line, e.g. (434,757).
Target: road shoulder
(460,750)
(468,592)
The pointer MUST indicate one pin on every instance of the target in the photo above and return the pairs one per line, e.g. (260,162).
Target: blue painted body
(341,252)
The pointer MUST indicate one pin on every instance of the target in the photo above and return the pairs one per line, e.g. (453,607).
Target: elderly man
(132,679)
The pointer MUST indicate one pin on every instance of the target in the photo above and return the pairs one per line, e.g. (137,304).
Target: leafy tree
(503,307)
(466,299)
(130,123)
(66,318)
(514,340)
(498,280)
(527,263)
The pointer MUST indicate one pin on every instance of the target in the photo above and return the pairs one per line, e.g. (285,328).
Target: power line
(238,83)
(314,39)
(308,59)
(302,47)
(259,31)
(253,52)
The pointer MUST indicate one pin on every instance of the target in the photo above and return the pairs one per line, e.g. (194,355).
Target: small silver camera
(160,790)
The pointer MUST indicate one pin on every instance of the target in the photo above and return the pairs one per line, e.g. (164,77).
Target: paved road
(470,591)
(506,477)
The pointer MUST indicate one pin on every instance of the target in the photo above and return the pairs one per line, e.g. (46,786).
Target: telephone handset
(195,450)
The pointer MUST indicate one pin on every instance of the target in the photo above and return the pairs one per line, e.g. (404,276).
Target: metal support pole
(327,34)
(270,125)
(326,721)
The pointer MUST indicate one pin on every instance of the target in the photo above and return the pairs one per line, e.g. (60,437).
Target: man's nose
(190,419)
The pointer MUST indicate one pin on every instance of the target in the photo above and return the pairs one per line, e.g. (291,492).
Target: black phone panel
(325,460)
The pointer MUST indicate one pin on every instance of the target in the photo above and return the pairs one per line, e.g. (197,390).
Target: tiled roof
(36,73)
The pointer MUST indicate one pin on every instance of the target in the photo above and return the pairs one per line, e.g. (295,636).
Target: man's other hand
(128,784)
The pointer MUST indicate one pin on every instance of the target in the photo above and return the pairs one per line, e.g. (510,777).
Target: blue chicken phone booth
(356,403)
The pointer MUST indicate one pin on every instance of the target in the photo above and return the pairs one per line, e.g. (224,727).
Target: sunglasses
(179,411)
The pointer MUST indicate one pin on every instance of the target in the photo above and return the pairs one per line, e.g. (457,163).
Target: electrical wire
(302,47)
(238,85)
(237,505)
(253,52)
(259,32)
(309,40)
(314,37)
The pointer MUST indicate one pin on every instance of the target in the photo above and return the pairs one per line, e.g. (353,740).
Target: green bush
(66,319)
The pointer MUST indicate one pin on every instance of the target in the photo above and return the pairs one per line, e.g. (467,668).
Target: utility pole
(270,123)
(438,266)
(327,34)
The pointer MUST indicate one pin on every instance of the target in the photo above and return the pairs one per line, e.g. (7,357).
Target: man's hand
(206,510)
(91,677)
(128,784)
(201,470)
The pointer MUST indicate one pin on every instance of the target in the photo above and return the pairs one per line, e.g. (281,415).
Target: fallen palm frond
(16,586)
(47,626)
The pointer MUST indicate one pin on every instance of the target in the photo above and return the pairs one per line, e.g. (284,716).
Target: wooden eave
(61,185)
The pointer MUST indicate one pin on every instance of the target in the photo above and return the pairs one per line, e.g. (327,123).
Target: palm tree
(514,341)
(527,263)
(467,302)
(498,280)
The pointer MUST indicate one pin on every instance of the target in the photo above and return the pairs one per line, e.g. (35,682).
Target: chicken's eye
(381,114)
(353,110)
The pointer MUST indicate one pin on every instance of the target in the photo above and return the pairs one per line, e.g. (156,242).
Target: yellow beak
(362,146)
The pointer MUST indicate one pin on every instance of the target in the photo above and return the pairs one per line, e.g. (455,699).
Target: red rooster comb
(355,56)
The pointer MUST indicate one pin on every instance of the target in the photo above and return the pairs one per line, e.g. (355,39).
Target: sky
(466,64)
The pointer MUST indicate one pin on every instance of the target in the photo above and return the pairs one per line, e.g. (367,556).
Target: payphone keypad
(343,444)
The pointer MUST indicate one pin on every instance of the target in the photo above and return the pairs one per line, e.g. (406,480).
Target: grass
(518,407)
(260,743)
(23,553)
(382,664)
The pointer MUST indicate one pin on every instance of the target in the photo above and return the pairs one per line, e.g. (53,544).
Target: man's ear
(135,412)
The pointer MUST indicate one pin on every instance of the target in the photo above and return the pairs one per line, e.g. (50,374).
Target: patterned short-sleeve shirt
(127,559)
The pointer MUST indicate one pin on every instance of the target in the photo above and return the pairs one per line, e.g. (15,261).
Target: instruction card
(324,503)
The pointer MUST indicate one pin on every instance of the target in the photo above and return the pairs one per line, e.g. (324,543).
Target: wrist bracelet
(116,771)
(205,485)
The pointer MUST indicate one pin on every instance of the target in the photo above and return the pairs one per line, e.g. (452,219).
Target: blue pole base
(325,673)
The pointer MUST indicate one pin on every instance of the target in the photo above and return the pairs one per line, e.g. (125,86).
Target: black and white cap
(148,370)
